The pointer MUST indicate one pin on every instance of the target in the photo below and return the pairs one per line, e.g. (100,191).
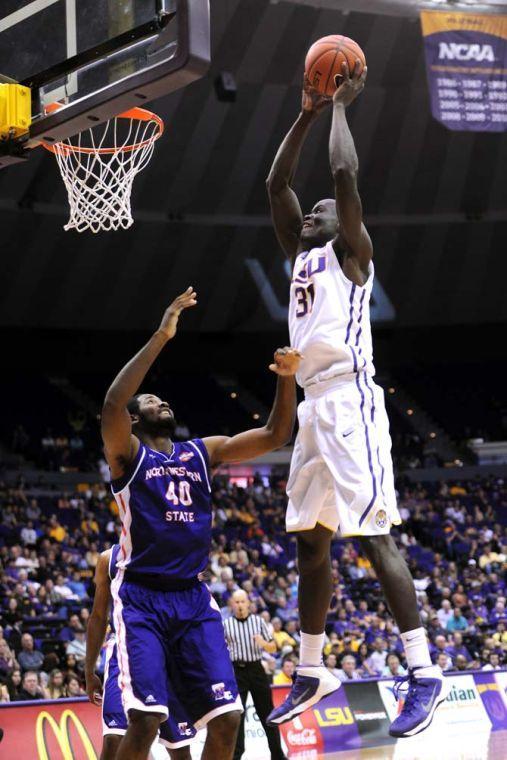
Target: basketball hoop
(99,165)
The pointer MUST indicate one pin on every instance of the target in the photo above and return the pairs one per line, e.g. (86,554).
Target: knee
(183,753)
(378,549)
(110,747)
(224,728)
(312,554)
(143,723)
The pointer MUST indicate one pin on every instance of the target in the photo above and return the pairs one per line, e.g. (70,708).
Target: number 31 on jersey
(305,298)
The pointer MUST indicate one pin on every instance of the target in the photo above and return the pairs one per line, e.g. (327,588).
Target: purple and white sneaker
(423,696)
(310,686)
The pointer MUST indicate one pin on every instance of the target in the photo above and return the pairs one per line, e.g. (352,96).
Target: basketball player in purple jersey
(169,629)
(341,472)
(176,733)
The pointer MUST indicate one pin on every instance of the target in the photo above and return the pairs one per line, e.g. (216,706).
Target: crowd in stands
(454,538)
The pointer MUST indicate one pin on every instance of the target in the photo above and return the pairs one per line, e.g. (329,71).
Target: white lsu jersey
(329,318)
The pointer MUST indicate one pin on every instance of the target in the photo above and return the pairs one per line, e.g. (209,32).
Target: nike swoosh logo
(426,706)
(346,435)
(301,696)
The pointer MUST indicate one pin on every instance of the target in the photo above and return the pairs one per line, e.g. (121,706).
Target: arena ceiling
(436,201)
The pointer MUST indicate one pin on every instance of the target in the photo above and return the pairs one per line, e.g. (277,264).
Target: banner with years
(466,62)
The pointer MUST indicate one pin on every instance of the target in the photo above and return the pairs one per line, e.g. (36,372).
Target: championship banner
(466,62)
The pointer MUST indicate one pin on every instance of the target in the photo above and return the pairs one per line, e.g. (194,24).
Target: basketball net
(98,167)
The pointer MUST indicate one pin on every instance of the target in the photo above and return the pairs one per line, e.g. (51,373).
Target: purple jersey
(165,509)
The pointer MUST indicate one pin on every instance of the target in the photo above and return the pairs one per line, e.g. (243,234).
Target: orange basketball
(325,58)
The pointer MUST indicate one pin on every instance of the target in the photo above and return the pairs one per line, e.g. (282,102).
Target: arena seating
(454,537)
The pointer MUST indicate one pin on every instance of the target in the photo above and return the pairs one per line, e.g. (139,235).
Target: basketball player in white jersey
(341,475)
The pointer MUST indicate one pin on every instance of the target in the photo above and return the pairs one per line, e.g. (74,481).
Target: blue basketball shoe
(310,686)
(423,696)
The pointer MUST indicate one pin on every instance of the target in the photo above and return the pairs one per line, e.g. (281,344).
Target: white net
(99,166)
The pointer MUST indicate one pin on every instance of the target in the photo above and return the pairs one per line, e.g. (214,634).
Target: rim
(135,114)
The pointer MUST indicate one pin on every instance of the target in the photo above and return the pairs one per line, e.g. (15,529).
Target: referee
(247,636)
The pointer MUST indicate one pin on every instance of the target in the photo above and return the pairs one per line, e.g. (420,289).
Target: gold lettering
(335,716)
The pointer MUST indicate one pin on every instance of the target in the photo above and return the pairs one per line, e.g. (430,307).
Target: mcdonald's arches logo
(46,722)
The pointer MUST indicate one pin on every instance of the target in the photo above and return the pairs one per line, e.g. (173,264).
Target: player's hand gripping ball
(352,84)
(286,361)
(325,59)
(313,102)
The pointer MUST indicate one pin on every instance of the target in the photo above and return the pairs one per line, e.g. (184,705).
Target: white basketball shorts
(341,473)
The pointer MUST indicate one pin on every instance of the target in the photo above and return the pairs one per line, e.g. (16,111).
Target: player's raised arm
(344,167)
(277,431)
(285,208)
(97,626)
(121,446)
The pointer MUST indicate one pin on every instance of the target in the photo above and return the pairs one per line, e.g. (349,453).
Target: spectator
(29,658)
(444,614)
(7,660)
(348,671)
(500,636)
(55,688)
(457,648)
(67,633)
(56,530)
(284,642)
(494,662)
(498,614)
(457,622)
(77,586)
(28,534)
(330,662)
(63,590)
(460,663)
(443,661)
(393,667)
(77,646)
(4,697)
(32,511)
(71,665)
(284,677)
(490,560)
(73,687)
(377,660)
(30,688)
(14,684)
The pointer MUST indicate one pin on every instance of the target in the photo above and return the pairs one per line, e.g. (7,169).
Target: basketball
(325,58)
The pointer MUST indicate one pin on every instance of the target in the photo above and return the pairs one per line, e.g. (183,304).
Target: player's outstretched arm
(277,431)
(285,208)
(97,627)
(120,445)
(344,167)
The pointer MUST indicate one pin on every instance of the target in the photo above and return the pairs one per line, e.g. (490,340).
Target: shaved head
(240,604)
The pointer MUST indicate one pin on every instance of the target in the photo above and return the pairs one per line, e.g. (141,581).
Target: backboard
(97,58)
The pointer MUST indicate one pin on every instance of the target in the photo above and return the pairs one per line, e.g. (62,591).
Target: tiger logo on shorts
(381,519)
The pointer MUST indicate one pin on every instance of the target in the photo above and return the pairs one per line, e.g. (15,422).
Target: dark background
(435,202)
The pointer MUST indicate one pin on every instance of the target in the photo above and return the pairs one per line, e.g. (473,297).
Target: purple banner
(466,61)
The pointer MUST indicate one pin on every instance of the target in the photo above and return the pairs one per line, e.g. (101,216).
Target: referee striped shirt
(239,635)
